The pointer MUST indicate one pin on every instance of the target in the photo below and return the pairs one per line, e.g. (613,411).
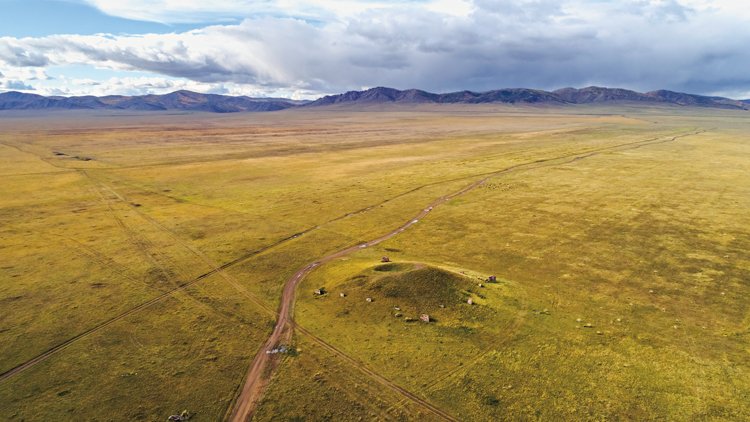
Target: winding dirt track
(264,364)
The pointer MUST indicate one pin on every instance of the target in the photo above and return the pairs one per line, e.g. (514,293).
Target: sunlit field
(142,260)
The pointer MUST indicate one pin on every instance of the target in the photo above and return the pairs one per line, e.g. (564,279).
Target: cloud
(201,11)
(25,73)
(16,55)
(17,86)
(691,45)
(143,85)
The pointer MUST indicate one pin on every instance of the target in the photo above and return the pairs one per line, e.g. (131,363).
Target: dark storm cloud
(546,44)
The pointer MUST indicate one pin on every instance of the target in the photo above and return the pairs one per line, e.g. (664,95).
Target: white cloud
(142,85)
(25,73)
(692,45)
(182,11)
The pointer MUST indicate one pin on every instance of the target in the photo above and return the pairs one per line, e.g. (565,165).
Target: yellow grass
(602,217)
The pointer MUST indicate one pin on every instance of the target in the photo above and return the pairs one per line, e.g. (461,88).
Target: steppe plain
(142,260)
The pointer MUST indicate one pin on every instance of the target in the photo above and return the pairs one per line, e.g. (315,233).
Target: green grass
(648,245)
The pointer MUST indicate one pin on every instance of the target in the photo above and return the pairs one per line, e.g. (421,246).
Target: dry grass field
(142,260)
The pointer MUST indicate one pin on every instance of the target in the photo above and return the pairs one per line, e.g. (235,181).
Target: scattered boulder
(470,301)
(369,300)
(424,318)
(183,416)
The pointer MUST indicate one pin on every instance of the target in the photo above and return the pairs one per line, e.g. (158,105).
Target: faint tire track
(183,286)
(375,376)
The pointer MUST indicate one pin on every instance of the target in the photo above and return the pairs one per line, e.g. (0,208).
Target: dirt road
(264,363)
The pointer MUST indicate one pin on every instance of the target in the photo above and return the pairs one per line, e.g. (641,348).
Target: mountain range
(590,95)
(179,100)
(192,101)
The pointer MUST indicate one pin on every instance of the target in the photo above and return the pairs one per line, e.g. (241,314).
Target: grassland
(146,255)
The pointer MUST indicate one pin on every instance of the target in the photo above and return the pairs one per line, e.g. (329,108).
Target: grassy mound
(425,286)
(405,292)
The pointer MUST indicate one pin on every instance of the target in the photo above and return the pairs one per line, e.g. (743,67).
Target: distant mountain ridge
(589,95)
(192,101)
(178,100)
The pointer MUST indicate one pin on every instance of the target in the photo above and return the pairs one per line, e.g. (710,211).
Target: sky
(305,49)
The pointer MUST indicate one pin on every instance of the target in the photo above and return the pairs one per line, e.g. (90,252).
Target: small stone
(342,294)
(588,325)
(618,320)
(470,301)
(579,320)
(599,333)
(369,299)
(650,291)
